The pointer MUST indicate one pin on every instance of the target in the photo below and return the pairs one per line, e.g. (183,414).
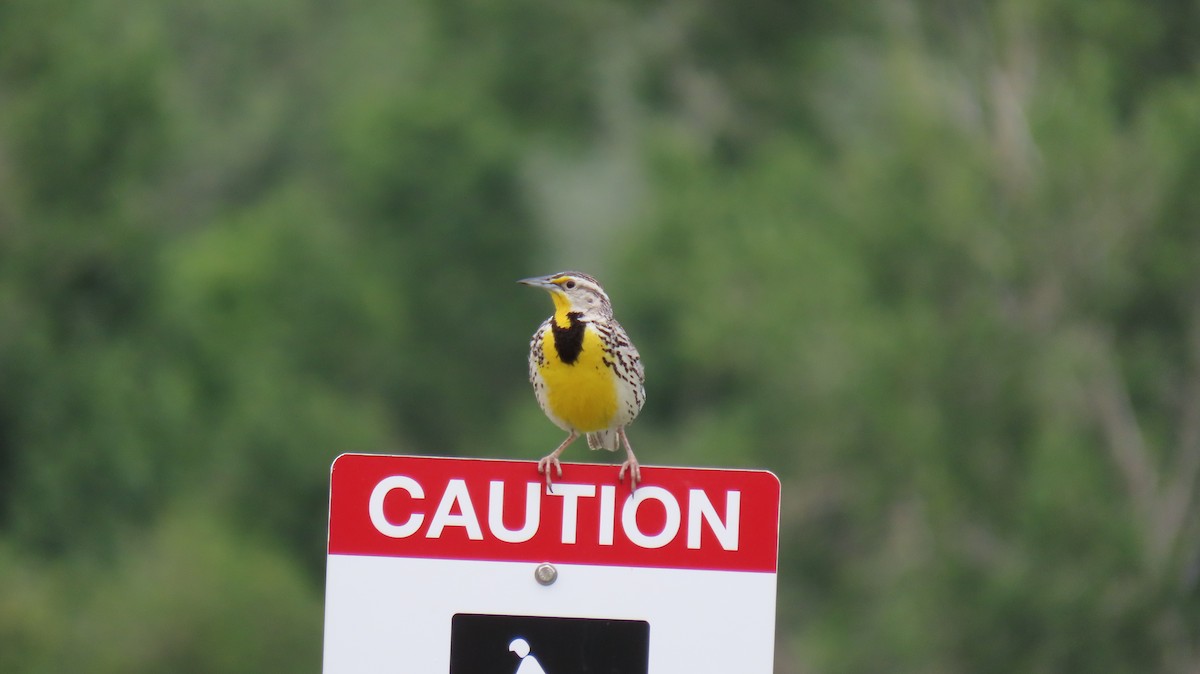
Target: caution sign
(473,566)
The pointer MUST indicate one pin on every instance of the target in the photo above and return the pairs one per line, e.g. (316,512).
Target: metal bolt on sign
(545,573)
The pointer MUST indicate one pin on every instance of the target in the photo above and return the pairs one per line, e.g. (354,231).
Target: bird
(587,375)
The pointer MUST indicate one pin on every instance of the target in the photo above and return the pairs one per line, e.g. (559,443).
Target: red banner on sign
(691,518)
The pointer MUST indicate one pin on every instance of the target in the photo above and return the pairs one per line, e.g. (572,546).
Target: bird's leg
(631,463)
(551,459)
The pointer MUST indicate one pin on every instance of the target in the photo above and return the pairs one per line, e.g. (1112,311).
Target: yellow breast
(583,394)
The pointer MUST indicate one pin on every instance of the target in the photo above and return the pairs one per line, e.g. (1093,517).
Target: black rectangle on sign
(513,644)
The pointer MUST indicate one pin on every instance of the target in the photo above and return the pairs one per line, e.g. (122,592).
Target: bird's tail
(604,440)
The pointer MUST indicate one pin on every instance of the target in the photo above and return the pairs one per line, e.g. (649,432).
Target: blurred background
(937,264)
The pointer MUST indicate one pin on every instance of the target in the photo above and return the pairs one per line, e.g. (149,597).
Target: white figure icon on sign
(529,663)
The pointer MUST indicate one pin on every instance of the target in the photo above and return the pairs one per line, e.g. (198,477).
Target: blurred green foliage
(937,265)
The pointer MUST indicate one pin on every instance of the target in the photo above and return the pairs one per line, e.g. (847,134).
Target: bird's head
(573,292)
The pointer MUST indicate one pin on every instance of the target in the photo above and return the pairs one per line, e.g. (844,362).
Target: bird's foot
(544,467)
(635,473)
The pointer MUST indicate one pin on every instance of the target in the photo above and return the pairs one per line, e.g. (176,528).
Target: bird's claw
(635,474)
(544,465)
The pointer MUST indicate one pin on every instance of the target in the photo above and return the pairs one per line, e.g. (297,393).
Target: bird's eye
(569,285)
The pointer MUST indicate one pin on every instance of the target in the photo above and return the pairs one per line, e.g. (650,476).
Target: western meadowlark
(585,372)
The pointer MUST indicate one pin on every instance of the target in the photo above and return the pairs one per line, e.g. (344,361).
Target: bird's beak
(542,282)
